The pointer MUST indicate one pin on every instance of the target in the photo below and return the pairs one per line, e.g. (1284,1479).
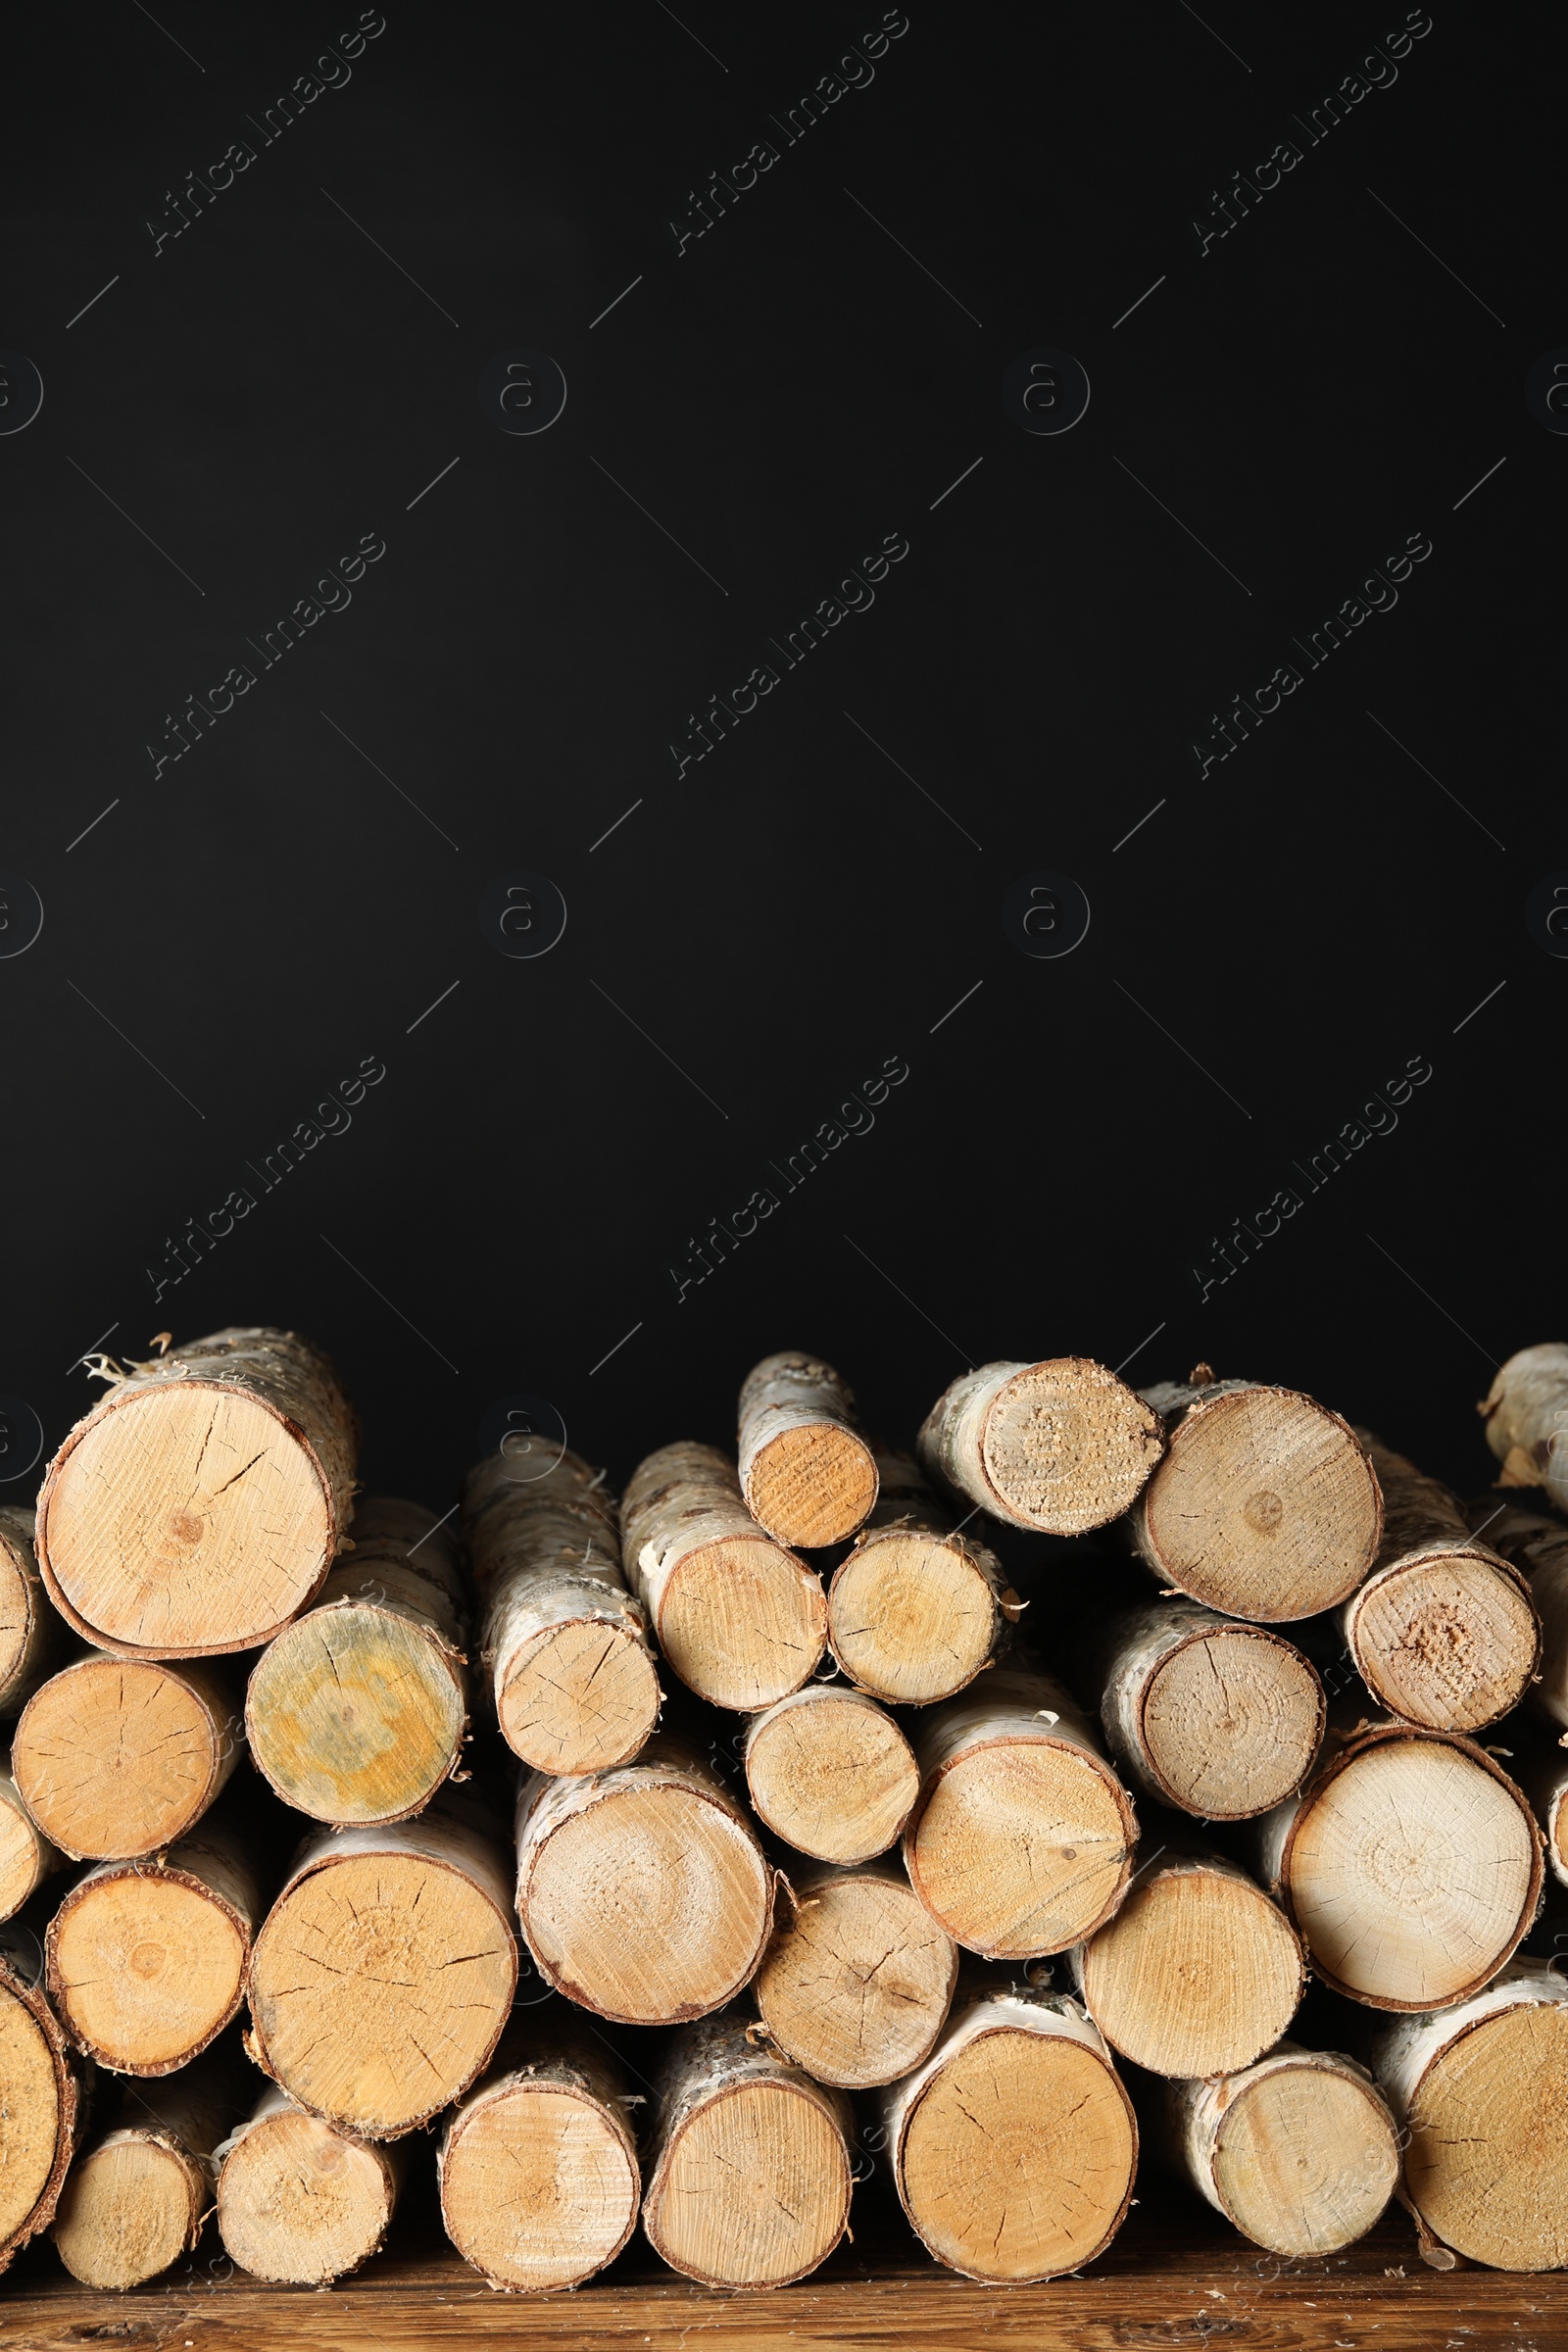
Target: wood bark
(1525,1413)
(146,1960)
(830,1771)
(1022,1836)
(385,1970)
(42,2095)
(806,1473)
(916,1610)
(1443,1632)
(751,2174)
(1265,1506)
(1299,2151)
(1198,1973)
(643,1892)
(137,2199)
(1538,1549)
(739,1618)
(1482,2091)
(563,1642)
(1015,2146)
(857,1982)
(1544,1778)
(1216,1716)
(358,1711)
(300,2203)
(33,1640)
(198,1507)
(537,2166)
(1411,1863)
(119,1757)
(1061,1447)
(27,1857)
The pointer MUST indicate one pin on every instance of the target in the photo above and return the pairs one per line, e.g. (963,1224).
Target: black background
(239,931)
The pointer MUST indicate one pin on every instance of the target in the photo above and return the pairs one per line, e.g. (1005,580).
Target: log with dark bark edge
(1022,1837)
(385,1973)
(739,1618)
(916,1609)
(1483,2091)
(857,1981)
(41,2091)
(750,2181)
(563,1642)
(1061,1446)
(830,1771)
(33,1638)
(119,1757)
(1299,2151)
(537,2165)
(1265,1506)
(299,2203)
(1013,2148)
(1411,1862)
(1198,1973)
(146,1960)
(1208,1713)
(1526,1411)
(136,2201)
(200,1504)
(1443,1631)
(358,1711)
(1538,1547)
(808,1476)
(27,1857)
(643,1892)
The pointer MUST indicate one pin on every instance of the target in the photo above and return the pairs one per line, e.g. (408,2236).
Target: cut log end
(912,1616)
(741,1622)
(129,2209)
(1488,2161)
(1062,1445)
(1265,1506)
(539,2185)
(1231,1722)
(357,1714)
(583,1698)
(1197,1974)
(1447,1638)
(1017,2160)
(811,1484)
(38,2111)
(146,1967)
(25,1855)
(1305,2157)
(754,2189)
(117,1758)
(857,1981)
(1022,1848)
(831,1773)
(298,2204)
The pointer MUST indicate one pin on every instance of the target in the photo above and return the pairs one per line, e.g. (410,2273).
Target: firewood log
(564,1641)
(1526,1413)
(1411,1863)
(1013,2148)
(385,1970)
(1265,1506)
(27,1857)
(751,2174)
(1062,1446)
(916,1609)
(119,1757)
(1542,1773)
(146,1960)
(1482,2091)
(136,2201)
(1299,2151)
(739,1618)
(857,1981)
(299,2203)
(1208,1714)
(1198,1973)
(1022,1836)
(1443,1631)
(808,1476)
(831,1773)
(538,2163)
(41,2091)
(198,1505)
(643,1892)
(33,1637)
(356,1712)
(1537,1548)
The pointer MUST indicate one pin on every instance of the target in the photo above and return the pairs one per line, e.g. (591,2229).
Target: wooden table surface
(1176,2276)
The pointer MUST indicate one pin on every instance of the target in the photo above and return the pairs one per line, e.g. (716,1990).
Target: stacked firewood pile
(665,1855)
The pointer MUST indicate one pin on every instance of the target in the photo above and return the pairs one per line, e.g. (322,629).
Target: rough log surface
(137,2200)
(1061,1447)
(300,2204)
(830,1771)
(1216,1717)
(806,1473)
(119,1757)
(916,1610)
(857,1981)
